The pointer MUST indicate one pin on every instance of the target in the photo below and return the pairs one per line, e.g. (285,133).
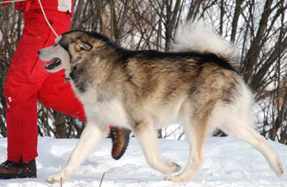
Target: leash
(44,14)
(42,9)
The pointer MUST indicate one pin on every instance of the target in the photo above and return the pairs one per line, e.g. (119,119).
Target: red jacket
(59,5)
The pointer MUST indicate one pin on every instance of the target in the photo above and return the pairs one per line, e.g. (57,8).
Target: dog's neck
(67,75)
(67,79)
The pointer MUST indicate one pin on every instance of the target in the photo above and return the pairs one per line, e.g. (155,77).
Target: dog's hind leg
(147,138)
(241,129)
(90,137)
(196,133)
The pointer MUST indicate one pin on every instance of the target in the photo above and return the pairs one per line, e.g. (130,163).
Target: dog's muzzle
(53,63)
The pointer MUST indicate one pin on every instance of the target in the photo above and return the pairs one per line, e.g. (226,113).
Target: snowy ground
(229,163)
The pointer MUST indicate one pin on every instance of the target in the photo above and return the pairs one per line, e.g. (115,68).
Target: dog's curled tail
(198,36)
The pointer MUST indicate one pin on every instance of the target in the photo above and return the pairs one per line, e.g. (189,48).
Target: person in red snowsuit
(27,81)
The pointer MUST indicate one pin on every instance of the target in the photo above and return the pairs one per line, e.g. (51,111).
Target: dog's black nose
(39,52)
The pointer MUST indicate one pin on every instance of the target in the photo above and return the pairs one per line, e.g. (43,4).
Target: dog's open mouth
(53,63)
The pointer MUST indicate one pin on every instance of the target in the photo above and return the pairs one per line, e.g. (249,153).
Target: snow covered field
(229,163)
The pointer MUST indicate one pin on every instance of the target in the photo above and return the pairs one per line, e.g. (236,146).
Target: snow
(229,163)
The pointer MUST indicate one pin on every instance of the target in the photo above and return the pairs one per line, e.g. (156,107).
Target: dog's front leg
(90,137)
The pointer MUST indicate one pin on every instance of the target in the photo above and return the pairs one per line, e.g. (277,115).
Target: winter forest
(258,28)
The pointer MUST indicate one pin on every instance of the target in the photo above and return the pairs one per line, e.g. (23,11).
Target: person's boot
(120,139)
(13,170)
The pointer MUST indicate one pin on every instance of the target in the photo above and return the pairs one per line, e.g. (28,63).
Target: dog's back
(162,87)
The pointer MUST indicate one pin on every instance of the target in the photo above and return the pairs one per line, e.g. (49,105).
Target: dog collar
(67,79)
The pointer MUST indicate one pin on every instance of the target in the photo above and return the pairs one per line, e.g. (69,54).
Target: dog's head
(71,49)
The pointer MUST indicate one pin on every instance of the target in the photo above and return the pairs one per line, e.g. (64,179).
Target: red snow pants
(27,81)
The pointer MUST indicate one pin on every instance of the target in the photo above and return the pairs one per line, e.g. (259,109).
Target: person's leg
(21,98)
(57,94)
(24,79)
(21,118)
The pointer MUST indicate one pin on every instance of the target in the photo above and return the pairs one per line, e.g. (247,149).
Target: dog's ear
(83,46)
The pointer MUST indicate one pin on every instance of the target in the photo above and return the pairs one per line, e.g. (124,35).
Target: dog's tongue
(53,63)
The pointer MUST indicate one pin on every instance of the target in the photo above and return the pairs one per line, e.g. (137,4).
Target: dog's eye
(75,68)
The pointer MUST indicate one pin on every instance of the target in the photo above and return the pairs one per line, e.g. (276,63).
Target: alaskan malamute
(196,84)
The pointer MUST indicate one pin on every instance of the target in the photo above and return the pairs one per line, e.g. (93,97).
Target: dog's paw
(173,167)
(174,179)
(53,179)
(279,170)
(59,177)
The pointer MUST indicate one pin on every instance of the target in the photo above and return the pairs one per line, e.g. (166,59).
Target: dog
(196,83)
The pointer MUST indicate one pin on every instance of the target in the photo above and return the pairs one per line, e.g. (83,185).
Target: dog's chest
(111,112)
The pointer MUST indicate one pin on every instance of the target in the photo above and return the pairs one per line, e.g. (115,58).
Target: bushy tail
(199,36)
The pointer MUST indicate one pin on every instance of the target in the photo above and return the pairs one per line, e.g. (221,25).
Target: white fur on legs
(90,137)
(196,134)
(147,138)
(241,129)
